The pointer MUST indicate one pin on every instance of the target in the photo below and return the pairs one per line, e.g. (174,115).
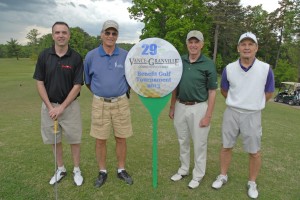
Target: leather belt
(110,99)
(188,103)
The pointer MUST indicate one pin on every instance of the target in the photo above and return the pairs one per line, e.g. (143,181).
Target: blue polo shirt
(106,73)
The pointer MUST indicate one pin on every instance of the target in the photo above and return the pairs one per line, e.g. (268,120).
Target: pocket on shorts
(124,111)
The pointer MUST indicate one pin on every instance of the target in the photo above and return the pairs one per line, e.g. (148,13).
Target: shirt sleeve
(87,79)
(39,73)
(224,82)
(270,84)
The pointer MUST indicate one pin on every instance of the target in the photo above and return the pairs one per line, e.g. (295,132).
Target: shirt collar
(245,68)
(103,53)
(186,58)
(68,53)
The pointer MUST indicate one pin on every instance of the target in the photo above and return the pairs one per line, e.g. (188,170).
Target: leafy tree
(283,21)
(227,16)
(283,72)
(3,51)
(13,48)
(171,19)
(82,41)
(32,36)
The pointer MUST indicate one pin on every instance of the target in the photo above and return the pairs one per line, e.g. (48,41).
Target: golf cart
(288,93)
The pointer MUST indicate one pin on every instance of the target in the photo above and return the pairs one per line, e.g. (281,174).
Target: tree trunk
(216,42)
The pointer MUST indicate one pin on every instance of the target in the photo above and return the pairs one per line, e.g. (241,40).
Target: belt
(110,99)
(189,103)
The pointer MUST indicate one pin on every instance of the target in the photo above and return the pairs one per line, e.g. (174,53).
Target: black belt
(189,103)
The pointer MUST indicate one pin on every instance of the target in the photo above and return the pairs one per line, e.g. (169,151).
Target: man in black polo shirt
(192,104)
(59,75)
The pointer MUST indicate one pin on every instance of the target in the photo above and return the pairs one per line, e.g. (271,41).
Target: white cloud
(18,17)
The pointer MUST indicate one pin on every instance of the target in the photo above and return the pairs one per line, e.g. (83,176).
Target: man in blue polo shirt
(246,84)
(105,77)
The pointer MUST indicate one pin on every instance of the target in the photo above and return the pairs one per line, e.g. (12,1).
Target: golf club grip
(55,126)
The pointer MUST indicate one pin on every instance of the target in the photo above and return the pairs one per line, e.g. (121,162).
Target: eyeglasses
(107,33)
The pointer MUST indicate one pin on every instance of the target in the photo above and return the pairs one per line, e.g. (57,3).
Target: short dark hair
(60,23)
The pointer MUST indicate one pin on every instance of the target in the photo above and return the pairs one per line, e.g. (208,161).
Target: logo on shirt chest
(66,67)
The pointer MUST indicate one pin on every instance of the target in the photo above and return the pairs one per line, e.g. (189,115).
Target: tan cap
(195,34)
(110,24)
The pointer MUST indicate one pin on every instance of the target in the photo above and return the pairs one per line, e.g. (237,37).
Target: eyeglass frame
(108,33)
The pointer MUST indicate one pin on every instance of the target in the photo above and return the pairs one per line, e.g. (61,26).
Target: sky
(18,17)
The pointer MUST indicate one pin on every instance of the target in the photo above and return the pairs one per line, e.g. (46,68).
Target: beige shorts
(107,115)
(69,123)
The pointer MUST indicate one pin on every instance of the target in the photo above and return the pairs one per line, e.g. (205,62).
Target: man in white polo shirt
(246,84)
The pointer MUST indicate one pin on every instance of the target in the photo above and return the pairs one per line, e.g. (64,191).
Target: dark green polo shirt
(197,78)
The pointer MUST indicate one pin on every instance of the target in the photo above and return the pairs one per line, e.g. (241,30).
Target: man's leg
(59,154)
(225,159)
(121,149)
(75,148)
(101,153)
(254,165)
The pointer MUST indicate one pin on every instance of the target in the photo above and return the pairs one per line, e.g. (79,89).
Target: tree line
(220,21)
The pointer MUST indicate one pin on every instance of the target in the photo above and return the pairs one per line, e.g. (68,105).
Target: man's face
(61,35)
(194,46)
(109,37)
(247,48)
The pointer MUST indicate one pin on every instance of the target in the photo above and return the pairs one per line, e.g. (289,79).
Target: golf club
(55,133)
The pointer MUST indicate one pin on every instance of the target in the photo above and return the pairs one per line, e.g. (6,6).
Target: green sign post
(153,69)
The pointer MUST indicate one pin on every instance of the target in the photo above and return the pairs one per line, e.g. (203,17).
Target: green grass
(26,164)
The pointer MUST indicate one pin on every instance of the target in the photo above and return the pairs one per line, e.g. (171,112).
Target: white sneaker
(252,190)
(177,177)
(221,179)
(59,175)
(193,184)
(78,179)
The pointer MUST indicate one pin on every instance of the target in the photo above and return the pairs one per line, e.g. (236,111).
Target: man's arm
(205,121)
(268,95)
(57,111)
(43,94)
(224,93)
(172,106)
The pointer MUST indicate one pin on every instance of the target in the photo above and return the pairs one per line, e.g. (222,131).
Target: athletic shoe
(101,179)
(193,184)
(59,175)
(252,190)
(125,176)
(221,179)
(78,179)
(177,177)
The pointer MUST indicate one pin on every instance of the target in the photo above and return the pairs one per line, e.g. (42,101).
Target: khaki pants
(186,123)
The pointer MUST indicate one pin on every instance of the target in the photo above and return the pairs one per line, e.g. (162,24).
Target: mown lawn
(27,164)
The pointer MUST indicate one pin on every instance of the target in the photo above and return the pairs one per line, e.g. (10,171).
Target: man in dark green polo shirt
(192,105)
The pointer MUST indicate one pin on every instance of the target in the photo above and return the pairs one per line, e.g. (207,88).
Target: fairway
(27,164)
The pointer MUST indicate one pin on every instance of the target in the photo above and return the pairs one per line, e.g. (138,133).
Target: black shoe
(101,179)
(125,176)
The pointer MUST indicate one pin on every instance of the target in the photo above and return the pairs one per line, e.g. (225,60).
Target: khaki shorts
(69,124)
(107,115)
(248,125)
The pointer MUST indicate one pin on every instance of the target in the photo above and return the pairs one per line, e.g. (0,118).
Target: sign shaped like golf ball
(153,68)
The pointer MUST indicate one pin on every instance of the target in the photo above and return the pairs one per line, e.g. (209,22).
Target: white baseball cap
(248,35)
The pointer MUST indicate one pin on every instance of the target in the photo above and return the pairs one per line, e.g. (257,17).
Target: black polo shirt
(59,74)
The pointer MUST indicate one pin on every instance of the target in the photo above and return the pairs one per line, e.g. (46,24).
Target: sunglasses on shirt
(108,33)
